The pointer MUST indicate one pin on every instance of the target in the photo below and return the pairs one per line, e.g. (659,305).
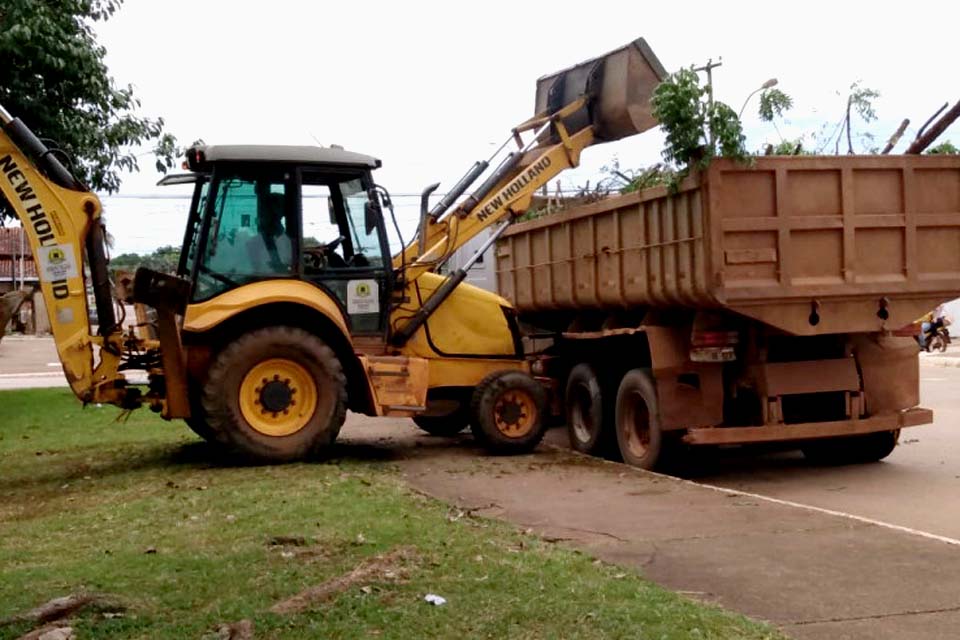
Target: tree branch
(924,141)
(895,138)
(931,119)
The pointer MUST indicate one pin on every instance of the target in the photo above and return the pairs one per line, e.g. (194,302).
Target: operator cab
(287,212)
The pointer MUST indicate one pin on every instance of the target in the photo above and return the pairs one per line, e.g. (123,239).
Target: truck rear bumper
(809,430)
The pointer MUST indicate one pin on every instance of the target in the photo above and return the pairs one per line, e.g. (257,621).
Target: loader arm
(509,196)
(61,218)
(599,100)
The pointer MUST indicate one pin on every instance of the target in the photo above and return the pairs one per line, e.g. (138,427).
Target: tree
(54,78)
(164,259)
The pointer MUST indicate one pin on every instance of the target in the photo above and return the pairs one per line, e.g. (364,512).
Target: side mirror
(332,211)
(371,215)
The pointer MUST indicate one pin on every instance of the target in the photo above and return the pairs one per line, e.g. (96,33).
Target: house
(19,271)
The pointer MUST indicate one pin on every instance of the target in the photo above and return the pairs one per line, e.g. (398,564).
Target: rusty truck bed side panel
(811,245)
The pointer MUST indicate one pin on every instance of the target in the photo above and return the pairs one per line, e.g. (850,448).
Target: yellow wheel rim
(515,413)
(278,397)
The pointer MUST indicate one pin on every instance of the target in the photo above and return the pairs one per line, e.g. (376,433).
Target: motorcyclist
(929,325)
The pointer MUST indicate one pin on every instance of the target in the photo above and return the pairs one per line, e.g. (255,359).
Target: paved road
(26,361)
(917,486)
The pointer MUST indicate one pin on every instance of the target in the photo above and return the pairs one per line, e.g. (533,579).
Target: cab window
(251,235)
(335,236)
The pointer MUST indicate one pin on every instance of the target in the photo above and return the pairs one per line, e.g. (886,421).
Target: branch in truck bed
(924,141)
(895,138)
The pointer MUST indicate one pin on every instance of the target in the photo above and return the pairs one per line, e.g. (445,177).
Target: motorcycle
(937,338)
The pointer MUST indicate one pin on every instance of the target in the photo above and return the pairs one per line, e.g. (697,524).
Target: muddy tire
(588,412)
(870,447)
(276,394)
(637,420)
(198,417)
(508,411)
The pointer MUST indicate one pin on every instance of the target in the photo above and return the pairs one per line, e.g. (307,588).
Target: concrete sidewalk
(814,574)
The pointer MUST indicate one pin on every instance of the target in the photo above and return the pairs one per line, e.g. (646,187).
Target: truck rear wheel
(870,447)
(276,394)
(508,410)
(587,412)
(637,420)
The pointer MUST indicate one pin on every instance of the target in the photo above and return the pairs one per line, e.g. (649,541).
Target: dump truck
(753,303)
(267,335)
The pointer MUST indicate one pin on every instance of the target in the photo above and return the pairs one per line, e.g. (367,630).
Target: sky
(431,87)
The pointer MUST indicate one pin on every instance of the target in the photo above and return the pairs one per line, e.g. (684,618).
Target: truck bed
(810,245)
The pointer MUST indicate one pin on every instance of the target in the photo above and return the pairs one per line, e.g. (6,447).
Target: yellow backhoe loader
(267,335)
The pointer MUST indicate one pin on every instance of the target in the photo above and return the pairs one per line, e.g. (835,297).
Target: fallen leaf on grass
(372,569)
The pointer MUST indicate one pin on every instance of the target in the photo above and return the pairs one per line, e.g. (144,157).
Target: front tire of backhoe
(508,412)
(276,394)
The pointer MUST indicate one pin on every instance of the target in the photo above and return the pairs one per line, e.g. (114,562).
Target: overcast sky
(431,87)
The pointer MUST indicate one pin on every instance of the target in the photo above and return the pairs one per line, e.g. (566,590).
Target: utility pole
(709,67)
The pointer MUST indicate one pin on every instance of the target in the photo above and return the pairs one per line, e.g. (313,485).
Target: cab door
(343,249)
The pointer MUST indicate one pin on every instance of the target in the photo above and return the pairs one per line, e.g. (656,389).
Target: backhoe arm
(61,218)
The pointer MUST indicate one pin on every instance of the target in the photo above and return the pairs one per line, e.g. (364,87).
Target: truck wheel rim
(580,414)
(278,397)
(635,426)
(515,413)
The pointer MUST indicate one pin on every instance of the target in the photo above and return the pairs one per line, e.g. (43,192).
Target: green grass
(83,497)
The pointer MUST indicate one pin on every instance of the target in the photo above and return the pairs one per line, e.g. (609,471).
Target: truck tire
(638,420)
(587,412)
(870,447)
(276,394)
(444,426)
(508,410)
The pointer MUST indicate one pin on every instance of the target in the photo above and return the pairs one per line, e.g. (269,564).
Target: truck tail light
(713,346)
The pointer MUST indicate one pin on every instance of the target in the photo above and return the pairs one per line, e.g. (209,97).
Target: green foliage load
(697,127)
(944,149)
(54,78)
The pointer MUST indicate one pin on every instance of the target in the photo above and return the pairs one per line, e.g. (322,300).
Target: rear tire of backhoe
(198,417)
(508,410)
(276,394)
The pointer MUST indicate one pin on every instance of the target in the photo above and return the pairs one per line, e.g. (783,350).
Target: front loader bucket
(620,85)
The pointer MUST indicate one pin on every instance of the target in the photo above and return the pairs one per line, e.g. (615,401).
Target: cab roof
(282,153)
